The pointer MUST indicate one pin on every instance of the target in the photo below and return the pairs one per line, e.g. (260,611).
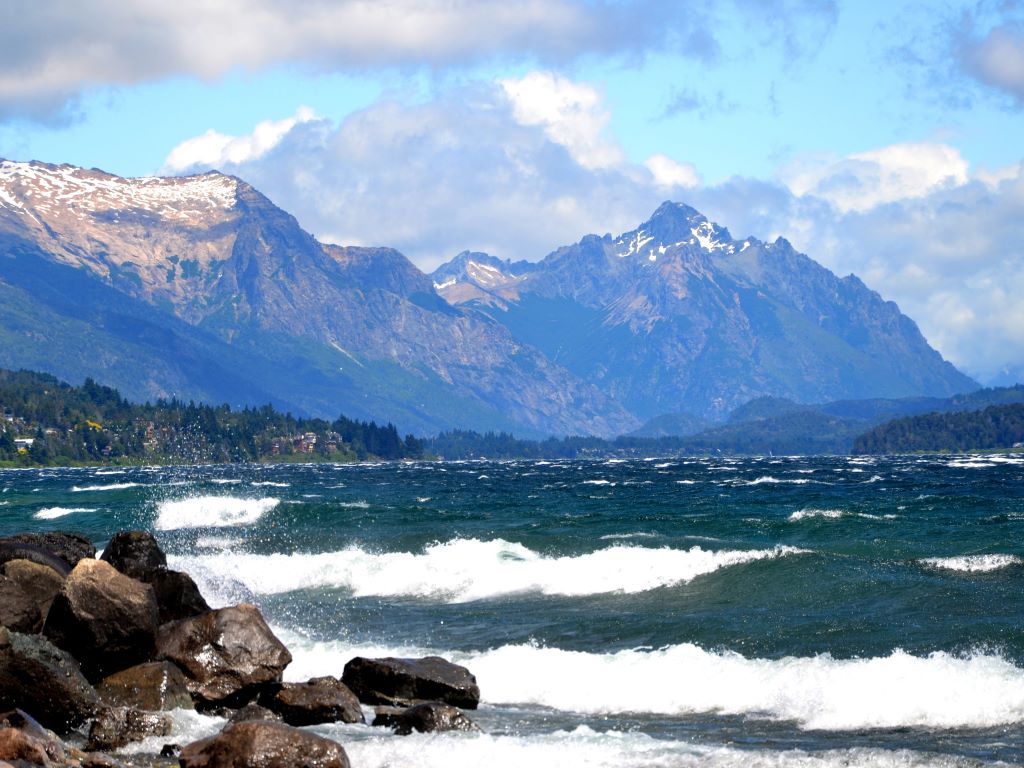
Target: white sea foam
(597,482)
(768,479)
(973,563)
(110,487)
(468,569)
(970,464)
(638,535)
(584,746)
(217,542)
(815,692)
(804,514)
(225,481)
(52,513)
(270,484)
(211,512)
(354,504)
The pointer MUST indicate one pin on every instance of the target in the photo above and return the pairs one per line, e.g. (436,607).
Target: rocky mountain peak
(674,226)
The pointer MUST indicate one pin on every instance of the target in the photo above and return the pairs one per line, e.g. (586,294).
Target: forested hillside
(995,427)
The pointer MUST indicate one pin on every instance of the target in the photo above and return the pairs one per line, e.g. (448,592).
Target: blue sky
(884,139)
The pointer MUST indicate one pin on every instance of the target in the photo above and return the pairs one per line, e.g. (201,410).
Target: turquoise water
(804,611)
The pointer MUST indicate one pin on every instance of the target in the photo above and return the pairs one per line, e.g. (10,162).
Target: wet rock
(432,716)
(19,748)
(154,685)
(15,551)
(135,554)
(387,717)
(40,678)
(227,655)
(405,682)
(177,596)
(320,700)
(100,760)
(254,712)
(107,620)
(18,611)
(41,582)
(256,744)
(69,548)
(114,727)
(170,750)
(20,720)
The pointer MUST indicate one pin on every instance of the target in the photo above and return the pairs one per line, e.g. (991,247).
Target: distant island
(48,422)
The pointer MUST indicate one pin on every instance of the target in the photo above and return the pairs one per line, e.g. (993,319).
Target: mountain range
(201,288)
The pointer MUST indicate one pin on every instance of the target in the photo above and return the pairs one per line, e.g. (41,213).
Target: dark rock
(20,720)
(11,551)
(320,700)
(44,680)
(227,654)
(114,727)
(170,750)
(387,717)
(41,582)
(18,611)
(69,547)
(155,685)
(254,712)
(256,744)
(432,716)
(135,554)
(106,619)
(177,596)
(405,682)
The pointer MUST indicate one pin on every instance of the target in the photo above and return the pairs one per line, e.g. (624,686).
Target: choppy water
(782,612)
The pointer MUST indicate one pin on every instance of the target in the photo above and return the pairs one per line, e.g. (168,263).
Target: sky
(884,139)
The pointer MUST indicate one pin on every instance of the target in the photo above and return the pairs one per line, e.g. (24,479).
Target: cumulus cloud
(996,59)
(488,168)
(214,149)
(863,180)
(51,51)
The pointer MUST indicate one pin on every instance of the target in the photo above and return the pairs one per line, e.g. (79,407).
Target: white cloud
(571,114)
(52,51)
(216,150)
(864,180)
(669,174)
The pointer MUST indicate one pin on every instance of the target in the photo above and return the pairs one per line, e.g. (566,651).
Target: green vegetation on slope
(45,421)
(995,427)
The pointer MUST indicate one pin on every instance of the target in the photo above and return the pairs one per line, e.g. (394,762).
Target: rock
(107,620)
(68,547)
(154,685)
(320,700)
(170,750)
(18,610)
(432,716)
(177,596)
(135,554)
(254,712)
(405,682)
(41,582)
(114,727)
(100,760)
(227,654)
(15,551)
(18,719)
(20,748)
(44,680)
(387,717)
(256,744)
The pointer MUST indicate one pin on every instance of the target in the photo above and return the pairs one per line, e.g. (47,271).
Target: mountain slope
(677,315)
(244,288)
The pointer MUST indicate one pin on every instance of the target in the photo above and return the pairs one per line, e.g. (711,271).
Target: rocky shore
(94,653)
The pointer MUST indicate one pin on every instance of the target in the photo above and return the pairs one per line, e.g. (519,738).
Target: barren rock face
(103,618)
(226,654)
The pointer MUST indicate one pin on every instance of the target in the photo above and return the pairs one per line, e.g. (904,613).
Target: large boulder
(35,737)
(155,685)
(41,582)
(227,655)
(254,712)
(18,610)
(320,700)
(177,596)
(40,678)
(135,554)
(432,716)
(20,748)
(404,682)
(263,744)
(107,620)
(114,727)
(68,547)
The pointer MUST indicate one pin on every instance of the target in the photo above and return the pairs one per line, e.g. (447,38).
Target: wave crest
(211,512)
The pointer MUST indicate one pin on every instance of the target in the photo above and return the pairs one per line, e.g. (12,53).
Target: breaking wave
(211,512)
(973,563)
